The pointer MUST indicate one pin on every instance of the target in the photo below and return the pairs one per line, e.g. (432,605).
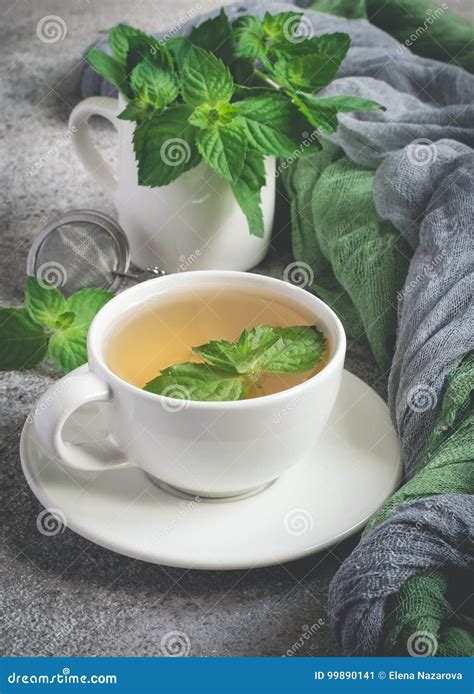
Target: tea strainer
(84,248)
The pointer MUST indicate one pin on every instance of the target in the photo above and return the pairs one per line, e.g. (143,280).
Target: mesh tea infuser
(84,248)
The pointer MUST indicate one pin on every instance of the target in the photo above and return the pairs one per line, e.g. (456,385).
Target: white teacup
(194,223)
(210,449)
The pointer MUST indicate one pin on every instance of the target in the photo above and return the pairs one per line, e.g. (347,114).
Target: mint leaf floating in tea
(191,381)
(228,94)
(50,324)
(231,368)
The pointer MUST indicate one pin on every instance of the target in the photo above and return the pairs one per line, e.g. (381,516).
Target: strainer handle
(59,402)
(82,143)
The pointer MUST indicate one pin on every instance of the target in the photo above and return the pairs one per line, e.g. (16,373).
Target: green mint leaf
(333,46)
(312,71)
(23,343)
(85,303)
(146,48)
(153,85)
(179,47)
(207,116)
(264,348)
(347,104)
(246,190)
(261,39)
(300,348)
(43,302)
(109,68)
(322,113)
(206,80)
(119,40)
(282,27)
(165,147)
(250,37)
(136,110)
(68,348)
(65,320)
(191,381)
(245,355)
(215,35)
(322,118)
(223,148)
(272,123)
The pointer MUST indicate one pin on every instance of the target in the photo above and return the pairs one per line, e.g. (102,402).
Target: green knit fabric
(447,465)
(423,26)
(424,621)
(359,261)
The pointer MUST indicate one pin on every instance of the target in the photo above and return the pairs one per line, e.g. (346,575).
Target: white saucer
(355,467)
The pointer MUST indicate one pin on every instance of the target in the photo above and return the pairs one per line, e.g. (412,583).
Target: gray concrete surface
(64,595)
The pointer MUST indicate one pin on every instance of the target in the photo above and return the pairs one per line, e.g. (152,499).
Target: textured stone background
(62,594)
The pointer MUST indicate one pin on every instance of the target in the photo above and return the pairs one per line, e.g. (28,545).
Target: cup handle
(53,409)
(86,151)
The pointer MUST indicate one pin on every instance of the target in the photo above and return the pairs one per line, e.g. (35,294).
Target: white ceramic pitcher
(193,223)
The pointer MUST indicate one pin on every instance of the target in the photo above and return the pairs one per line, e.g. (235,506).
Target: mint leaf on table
(165,148)
(68,348)
(223,148)
(153,85)
(23,342)
(246,190)
(44,302)
(85,303)
(191,381)
(49,323)
(110,69)
(215,35)
(205,79)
